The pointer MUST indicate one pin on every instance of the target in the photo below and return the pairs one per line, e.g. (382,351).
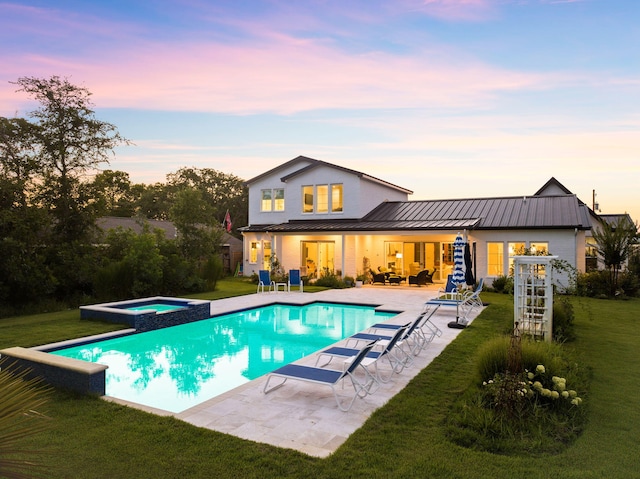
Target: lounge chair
(450,290)
(265,281)
(329,377)
(295,280)
(389,351)
(464,302)
(420,337)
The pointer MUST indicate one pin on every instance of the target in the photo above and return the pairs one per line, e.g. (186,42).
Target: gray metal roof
(528,212)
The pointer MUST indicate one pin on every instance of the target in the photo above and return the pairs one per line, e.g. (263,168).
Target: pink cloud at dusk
(286,76)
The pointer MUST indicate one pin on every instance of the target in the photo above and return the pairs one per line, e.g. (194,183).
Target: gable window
(307,199)
(278,199)
(323,198)
(495,259)
(336,198)
(272,200)
(266,204)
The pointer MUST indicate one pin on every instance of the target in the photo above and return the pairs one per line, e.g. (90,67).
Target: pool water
(158,307)
(179,367)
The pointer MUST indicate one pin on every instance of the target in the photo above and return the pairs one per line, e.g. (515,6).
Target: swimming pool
(179,367)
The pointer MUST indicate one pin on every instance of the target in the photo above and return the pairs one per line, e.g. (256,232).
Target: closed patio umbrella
(458,275)
(458,261)
(468,266)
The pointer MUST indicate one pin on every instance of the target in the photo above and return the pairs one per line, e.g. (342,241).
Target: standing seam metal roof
(523,212)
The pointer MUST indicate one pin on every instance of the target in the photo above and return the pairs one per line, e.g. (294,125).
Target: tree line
(53,190)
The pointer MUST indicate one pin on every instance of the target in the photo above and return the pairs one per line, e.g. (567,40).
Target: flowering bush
(514,394)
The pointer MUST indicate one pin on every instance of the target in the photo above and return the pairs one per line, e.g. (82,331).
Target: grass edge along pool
(176,311)
(252,343)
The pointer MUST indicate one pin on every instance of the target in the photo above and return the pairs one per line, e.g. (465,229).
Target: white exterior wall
(568,245)
(360,195)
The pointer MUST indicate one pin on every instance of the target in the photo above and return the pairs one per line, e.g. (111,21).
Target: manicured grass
(406,438)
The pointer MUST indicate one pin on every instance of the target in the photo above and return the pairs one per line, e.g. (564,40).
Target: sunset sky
(448,98)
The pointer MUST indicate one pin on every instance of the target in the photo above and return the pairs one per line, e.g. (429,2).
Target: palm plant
(19,419)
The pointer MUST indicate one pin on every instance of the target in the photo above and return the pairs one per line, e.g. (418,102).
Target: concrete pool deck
(304,416)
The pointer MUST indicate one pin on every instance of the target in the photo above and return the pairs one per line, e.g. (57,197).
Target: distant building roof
(106,223)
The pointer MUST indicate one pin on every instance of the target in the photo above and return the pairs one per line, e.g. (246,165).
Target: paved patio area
(300,415)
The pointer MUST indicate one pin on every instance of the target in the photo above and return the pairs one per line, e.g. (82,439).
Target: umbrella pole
(457,324)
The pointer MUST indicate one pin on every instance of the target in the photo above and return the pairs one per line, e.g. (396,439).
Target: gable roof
(522,212)
(311,163)
(550,184)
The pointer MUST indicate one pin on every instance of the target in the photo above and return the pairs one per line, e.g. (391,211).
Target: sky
(447,98)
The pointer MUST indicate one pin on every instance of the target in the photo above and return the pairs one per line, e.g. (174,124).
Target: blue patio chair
(389,352)
(329,377)
(264,281)
(295,280)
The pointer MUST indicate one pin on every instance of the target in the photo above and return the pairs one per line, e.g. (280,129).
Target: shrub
(540,405)
(503,284)
(563,316)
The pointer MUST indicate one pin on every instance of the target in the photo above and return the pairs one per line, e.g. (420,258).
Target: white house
(316,216)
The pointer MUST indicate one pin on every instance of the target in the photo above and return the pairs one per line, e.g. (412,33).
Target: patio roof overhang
(364,226)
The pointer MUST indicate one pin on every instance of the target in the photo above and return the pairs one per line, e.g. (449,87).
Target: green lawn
(91,438)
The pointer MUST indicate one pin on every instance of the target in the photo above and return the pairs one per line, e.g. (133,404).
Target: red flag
(227,222)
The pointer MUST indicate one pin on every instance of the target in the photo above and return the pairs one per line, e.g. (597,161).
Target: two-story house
(316,216)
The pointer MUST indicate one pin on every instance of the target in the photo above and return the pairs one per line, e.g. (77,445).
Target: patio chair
(396,361)
(422,278)
(295,280)
(329,377)
(265,281)
(378,277)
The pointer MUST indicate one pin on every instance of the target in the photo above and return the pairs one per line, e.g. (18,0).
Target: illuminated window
(266,255)
(539,249)
(515,249)
(266,204)
(336,198)
(278,199)
(307,199)
(495,259)
(322,205)
(253,252)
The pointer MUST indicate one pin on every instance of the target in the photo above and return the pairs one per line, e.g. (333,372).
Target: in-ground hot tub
(147,314)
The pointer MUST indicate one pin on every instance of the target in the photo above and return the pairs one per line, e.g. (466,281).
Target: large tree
(223,192)
(614,244)
(69,140)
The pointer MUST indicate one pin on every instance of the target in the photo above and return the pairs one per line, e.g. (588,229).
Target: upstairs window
(307,199)
(266,204)
(278,199)
(272,200)
(323,199)
(336,198)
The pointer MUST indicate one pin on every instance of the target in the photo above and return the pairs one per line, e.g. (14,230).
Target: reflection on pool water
(176,368)
(158,307)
